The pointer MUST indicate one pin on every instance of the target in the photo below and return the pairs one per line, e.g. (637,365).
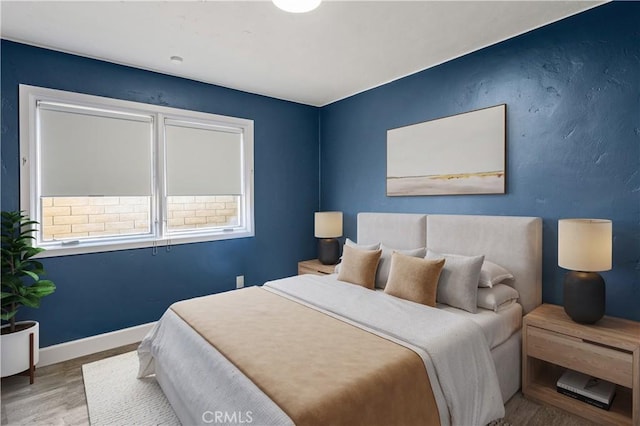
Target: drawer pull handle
(602,345)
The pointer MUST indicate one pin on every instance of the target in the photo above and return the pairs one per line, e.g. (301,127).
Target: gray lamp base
(328,251)
(584,296)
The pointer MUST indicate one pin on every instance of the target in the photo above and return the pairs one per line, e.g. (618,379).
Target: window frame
(30,191)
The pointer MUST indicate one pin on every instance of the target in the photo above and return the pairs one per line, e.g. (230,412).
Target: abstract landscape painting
(460,154)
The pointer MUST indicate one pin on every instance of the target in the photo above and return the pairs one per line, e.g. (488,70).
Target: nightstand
(315,267)
(608,350)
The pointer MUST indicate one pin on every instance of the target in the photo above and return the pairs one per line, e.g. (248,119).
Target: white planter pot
(14,349)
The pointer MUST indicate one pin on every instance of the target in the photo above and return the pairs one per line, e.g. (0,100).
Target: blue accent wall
(572,91)
(103,292)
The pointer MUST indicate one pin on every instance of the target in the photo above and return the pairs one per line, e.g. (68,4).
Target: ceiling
(340,49)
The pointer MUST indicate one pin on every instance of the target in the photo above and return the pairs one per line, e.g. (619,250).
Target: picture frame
(460,154)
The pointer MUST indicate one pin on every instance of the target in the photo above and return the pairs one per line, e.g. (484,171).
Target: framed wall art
(459,154)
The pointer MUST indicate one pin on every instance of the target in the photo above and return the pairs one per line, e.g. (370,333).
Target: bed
(286,353)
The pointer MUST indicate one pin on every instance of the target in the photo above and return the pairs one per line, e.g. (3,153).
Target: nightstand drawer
(314,271)
(314,267)
(571,352)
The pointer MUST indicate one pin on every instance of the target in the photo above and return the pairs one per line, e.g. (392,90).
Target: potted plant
(21,286)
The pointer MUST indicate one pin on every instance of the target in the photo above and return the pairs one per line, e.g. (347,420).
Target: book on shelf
(585,399)
(586,388)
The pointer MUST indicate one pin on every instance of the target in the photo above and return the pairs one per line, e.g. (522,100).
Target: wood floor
(57,398)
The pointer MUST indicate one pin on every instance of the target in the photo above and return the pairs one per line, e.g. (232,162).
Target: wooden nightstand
(609,350)
(314,267)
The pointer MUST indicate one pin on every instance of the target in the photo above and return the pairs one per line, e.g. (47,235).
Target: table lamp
(328,227)
(584,247)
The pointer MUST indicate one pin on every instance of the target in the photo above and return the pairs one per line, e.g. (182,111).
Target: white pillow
(498,297)
(350,243)
(458,283)
(362,246)
(492,274)
(384,266)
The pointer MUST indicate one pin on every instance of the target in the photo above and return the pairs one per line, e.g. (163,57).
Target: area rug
(499,422)
(116,397)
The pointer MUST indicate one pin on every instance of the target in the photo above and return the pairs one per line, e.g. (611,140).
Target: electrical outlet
(240,281)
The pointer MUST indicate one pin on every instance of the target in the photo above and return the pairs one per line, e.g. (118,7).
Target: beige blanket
(318,369)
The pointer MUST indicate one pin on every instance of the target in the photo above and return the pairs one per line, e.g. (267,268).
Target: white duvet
(453,348)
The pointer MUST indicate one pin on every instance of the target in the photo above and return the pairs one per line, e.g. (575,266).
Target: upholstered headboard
(511,241)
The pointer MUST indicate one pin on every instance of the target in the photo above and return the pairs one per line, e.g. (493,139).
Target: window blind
(202,159)
(89,152)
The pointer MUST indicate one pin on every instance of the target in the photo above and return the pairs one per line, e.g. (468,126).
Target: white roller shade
(85,152)
(203,160)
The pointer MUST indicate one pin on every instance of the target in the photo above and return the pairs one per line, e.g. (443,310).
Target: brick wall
(77,217)
(201,212)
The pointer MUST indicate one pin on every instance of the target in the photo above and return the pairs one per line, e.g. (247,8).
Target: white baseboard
(90,345)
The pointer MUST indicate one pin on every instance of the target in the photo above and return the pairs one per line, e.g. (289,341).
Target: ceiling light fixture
(297,6)
(176,59)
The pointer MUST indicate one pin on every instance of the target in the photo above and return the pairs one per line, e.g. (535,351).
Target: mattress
(164,350)
(497,326)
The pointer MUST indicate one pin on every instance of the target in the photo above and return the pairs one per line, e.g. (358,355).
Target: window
(102,174)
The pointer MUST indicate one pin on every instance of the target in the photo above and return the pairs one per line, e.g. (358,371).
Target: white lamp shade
(585,244)
(328,224)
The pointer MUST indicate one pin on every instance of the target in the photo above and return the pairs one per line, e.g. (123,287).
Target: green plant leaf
(7,316)
(10,280)
(8,299)
(38,267)
(28,222)
(32,251)
(21,284)
(31,274)
(42,288)
(30,300)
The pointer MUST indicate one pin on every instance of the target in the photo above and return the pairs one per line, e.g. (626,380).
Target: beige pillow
(414,279)
(350,243)
(382,276)
(359,266)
